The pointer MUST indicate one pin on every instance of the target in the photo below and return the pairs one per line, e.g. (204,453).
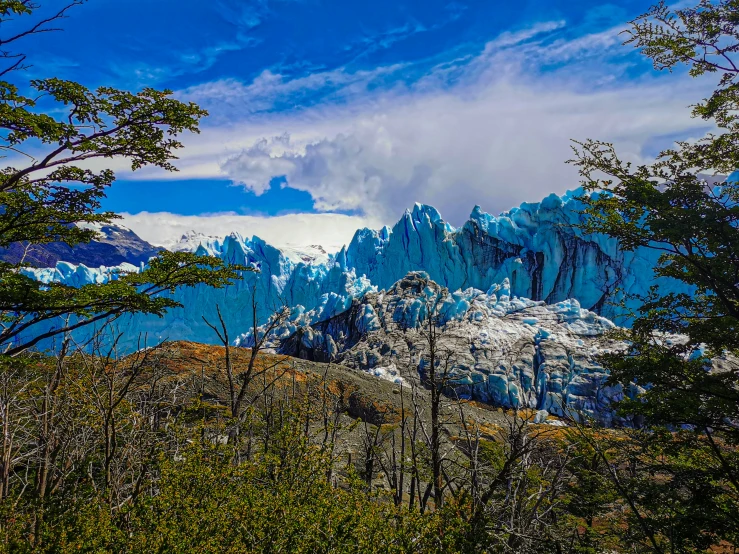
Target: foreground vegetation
(142,454)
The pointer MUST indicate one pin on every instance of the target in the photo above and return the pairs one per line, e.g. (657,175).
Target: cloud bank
(491,128)
(331,231)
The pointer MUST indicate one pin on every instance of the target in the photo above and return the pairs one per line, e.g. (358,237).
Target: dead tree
(238,384)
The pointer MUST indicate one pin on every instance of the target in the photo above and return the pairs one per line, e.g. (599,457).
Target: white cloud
(512,38)
(328,230)
(497,149)
(492,129)
(226,97)
(497,136)
(142,73)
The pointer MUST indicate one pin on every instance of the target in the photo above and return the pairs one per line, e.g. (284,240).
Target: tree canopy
(683,347)
(50,130)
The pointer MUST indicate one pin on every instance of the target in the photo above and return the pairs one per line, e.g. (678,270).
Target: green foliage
(14,7)
(59,125)
(657,490)
(103,455)
(141,127)
(215,504)
(205,503)
(26,302)
(683,494)
(43,201)
(665,206)
(590,498)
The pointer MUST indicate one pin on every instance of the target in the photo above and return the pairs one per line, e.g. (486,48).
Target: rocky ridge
(114,245)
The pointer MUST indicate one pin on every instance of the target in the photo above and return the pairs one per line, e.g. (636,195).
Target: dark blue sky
(179,43)
(365,107)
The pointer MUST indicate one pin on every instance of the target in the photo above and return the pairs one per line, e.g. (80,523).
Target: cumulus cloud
(499,136)
(332,231)
(497,150)
(491,128)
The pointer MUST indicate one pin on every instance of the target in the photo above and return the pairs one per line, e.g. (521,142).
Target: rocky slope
(199,370)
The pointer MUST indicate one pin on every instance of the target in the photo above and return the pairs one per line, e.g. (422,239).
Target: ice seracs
(509,351)
(536,251)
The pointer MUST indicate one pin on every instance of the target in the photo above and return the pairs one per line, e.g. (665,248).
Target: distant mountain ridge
(114,245)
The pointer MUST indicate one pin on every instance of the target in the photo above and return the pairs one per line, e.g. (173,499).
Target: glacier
(537,247)
(504,350)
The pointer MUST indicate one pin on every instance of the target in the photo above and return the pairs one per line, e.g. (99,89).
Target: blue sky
(358,109)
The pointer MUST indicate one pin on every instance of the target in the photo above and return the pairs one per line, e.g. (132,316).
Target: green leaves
(38,215)
(706,39)
(26,303)
(45,200)
(683,348)
(54,196)
(666,207)
(14,7)
(703,36)
(105,123)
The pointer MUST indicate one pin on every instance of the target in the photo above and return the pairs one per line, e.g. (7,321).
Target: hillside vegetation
(140,454)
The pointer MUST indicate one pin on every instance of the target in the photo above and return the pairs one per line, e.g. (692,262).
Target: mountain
(526,298)
(193,241)
(538,247)
(114,245)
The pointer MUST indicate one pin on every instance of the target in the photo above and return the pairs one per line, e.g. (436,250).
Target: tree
(436,375)
(433,371)
(49,195)
(668,207)
(238,384)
